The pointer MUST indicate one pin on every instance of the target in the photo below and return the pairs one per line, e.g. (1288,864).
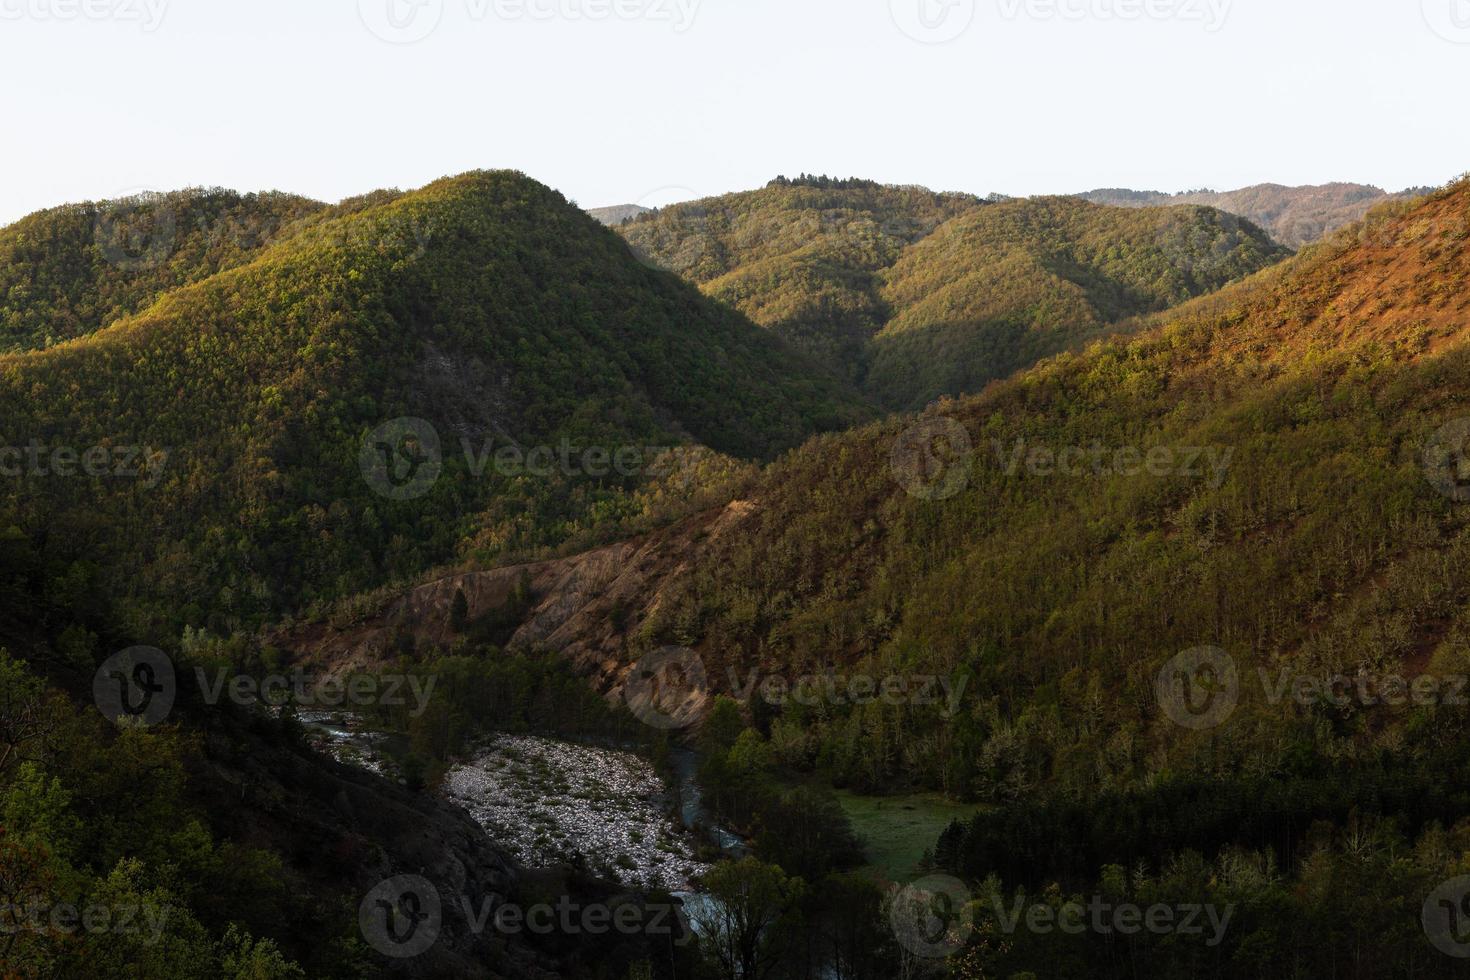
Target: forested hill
(68,271)
(1294,216)
(1005,285)
(242,404)
(913,294)
(802,261)
(1264,470)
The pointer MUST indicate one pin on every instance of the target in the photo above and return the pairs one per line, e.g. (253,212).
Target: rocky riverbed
(551,802)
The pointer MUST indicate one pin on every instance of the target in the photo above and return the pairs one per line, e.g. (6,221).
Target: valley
(1023,456)
(734,490)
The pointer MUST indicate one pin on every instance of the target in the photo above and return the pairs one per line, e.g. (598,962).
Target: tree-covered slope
(799,259)
(1202,591)
(71,270)
(1001,287)
(485,304)
(1027,538)
(1265,470)
(913,294)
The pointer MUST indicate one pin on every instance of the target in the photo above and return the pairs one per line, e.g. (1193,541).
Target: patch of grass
(896,830)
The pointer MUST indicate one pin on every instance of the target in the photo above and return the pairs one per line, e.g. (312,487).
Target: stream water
(694,814)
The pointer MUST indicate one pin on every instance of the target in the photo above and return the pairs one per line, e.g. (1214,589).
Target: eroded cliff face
(585,607)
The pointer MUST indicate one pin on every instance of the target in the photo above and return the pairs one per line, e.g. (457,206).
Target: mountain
(618,213)
(1268,479)
(253,409)
(1323,378)
(912,294)
(1294,216)
(800,260)
(69,271)
(225,455)
(1002,287)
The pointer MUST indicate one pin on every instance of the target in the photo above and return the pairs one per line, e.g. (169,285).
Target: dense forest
(1316,541)
(1328,545)
(1266,462)
(1002,287)
(913,295)
(217,471)
(486,305)
(70,271)
(1307,524)
(799,259)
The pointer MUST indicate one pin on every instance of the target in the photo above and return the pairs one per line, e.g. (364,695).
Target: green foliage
(1002,287)
(1316,546)
(801,257)
(914,295)
(1351,908)
(106,869)
(722,727)
(70,271)
(486,304)
(1055,599)
(806,832)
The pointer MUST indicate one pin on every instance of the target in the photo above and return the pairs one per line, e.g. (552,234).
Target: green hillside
(71,270)
(799,259)
(1268,480)
(485,304)
(1002,287)
(1302,401)
(1273,475)
(913,295)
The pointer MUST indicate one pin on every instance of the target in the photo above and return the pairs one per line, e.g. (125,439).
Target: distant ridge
(618,213)
(1294,216)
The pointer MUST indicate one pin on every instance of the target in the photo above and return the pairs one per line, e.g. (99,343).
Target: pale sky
(615,101)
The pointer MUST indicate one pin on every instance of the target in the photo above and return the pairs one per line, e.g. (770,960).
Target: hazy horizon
(668,196)
(631,101)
